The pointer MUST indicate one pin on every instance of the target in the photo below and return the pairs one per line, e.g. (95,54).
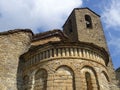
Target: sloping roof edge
(80,9)
(47,34)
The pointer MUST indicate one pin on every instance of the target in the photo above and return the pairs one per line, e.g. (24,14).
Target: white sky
(35,14)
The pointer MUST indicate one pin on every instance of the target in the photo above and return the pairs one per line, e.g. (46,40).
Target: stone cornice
(86,47)
(83,44)
(16,31)
(47,34)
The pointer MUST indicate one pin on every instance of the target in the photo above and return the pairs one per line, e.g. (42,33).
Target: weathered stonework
(75,59)
(12,45)
(89,29)
(65,65)
(118,76)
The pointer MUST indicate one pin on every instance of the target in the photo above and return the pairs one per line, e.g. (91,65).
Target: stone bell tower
(84,25)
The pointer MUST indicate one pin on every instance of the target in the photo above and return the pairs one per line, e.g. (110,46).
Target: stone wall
(64,67)
(12,44)
(43,41)
(118,76)
(68,74)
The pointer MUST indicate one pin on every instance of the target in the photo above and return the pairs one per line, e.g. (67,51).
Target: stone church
(75,58)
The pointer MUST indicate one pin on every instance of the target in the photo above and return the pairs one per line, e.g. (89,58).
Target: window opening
(88,81)
(88,21)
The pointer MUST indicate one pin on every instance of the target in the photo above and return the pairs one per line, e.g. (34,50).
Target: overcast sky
(43,15)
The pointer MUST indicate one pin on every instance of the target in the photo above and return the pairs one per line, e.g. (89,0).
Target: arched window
(40,80)
(88,81)
(88,21)
(64,79)
(90,78)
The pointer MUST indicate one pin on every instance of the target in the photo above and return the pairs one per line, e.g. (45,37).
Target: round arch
(64,74)
(106,76)
(94,78)
(105,81)
(40,79)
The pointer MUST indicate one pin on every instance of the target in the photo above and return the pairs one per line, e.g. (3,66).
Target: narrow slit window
(88,81)
(88,21)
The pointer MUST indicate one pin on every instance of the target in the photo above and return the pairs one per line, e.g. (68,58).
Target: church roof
(47,34)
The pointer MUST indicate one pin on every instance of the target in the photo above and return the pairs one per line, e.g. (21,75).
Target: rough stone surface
(94,34)
(12,45)
(118,76)
(64,66)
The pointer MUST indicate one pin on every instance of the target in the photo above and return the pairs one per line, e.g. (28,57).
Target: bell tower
(84,25)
